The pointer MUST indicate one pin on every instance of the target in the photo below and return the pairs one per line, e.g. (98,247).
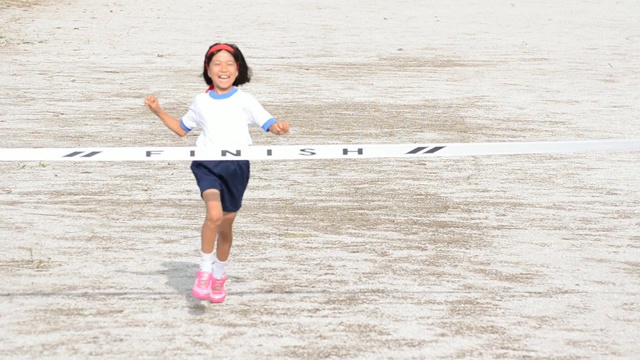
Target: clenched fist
(152,103)
(279,128)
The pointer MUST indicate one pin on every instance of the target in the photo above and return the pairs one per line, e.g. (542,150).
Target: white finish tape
(310,152)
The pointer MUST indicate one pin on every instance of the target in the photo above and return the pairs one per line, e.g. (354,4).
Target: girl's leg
(204,278)
(212,220)
(225,236)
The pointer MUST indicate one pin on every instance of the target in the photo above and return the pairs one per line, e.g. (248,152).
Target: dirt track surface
(505,257)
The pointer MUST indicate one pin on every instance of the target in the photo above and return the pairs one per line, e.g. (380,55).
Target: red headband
(220,47)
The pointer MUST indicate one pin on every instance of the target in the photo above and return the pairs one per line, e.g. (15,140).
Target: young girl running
(223,114)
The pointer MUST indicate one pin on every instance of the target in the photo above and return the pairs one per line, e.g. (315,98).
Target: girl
(223,113)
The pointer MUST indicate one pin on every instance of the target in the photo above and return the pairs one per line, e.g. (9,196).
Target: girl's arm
(279,128)
(172,123)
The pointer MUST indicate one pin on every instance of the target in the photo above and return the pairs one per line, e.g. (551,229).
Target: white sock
(206,262)
(218,269)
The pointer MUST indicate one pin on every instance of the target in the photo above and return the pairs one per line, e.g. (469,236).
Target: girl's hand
(152,103)
(279,128)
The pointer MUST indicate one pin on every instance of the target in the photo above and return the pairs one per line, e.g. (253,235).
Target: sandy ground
(498,257)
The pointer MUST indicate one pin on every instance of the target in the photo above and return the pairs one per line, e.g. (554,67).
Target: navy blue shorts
(229,177)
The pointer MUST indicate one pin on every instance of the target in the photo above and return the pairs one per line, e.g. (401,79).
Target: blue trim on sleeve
(183,126)
(268,124)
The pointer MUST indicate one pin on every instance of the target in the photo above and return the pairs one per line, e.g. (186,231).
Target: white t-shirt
(225,118)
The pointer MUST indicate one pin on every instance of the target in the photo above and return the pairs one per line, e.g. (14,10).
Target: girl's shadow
(180,276)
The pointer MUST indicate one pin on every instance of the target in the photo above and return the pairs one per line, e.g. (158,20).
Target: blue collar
(227,95)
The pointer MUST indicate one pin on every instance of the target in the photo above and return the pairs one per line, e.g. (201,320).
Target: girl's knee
(213,219)
(226,227)
(225,234)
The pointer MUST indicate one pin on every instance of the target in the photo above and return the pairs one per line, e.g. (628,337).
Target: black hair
(244,71)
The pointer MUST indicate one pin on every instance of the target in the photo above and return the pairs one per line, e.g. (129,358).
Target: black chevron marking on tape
(416,150)
(75,153)
(87,155)
(434,149)
(92,154)
(421,150)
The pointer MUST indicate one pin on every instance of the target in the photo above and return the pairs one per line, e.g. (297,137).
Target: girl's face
(223,70)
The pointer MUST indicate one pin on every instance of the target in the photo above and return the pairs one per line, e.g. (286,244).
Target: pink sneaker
(218,292)
(202,287)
